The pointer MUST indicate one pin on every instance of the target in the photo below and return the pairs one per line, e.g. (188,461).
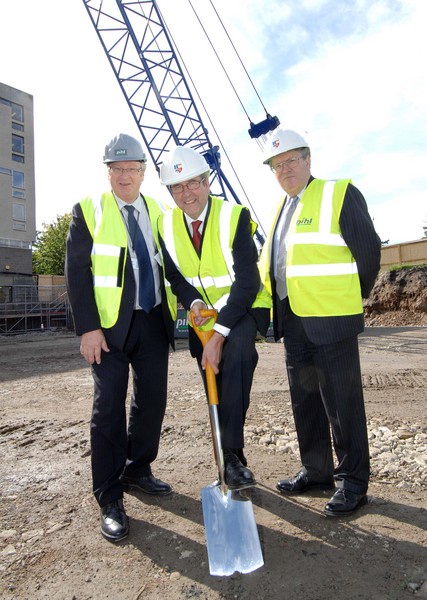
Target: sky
(348,75)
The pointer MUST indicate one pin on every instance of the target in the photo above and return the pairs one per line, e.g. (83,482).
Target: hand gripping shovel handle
(204,337)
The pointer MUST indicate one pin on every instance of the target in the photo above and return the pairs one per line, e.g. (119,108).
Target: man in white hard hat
(116,291)
(211,262)
(321,257)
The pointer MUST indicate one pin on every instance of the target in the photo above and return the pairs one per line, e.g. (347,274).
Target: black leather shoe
(147,484)
(301,483)
(344,503)
(237,476)
(114,522)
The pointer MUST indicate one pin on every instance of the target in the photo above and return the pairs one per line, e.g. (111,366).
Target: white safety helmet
(182,163)
(124,147)
(282,140)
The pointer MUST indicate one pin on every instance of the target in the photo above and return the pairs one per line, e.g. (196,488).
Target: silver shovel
(231,532)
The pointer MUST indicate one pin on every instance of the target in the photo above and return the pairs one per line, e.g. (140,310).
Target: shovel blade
(231,532)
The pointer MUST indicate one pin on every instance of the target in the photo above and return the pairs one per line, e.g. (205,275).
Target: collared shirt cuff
(197,300)
(224,331)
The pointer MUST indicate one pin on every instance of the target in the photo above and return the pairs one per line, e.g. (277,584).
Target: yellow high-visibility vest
(109,252)
(212,273)
(321,272)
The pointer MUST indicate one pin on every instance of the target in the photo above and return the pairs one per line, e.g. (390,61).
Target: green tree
(49,247)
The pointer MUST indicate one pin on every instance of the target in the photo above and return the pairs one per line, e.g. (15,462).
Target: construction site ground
(50,545)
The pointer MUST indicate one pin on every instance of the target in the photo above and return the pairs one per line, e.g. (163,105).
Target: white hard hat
(124,147)
(182,164)
(282,140)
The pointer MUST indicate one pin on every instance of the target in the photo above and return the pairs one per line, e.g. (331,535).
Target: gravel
(398,452)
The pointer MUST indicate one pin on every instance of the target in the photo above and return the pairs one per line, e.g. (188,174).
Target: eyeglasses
(194,184)
(291,163)
(129,171)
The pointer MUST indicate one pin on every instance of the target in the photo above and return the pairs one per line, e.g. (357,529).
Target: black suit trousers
(234,381)
(327,397)
(116,445)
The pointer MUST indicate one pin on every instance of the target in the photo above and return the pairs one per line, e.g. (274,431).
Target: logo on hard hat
(276,143)
(121,152)
(177,168)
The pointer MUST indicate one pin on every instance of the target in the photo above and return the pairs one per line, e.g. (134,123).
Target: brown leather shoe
(301,483)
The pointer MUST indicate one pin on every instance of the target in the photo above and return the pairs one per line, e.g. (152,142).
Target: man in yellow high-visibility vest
(125,319)
(321,258)
(211,261)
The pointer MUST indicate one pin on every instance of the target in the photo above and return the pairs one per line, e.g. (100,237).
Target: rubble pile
(398,298)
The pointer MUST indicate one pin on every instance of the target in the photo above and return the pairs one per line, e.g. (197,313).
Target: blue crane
(141,53)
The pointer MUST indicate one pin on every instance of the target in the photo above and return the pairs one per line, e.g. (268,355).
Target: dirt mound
(398,298)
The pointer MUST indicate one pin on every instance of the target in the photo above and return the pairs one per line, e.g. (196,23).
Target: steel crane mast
(141,54)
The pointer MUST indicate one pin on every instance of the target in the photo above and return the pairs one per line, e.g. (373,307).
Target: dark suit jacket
(243,290)
(79,281)
(360,236)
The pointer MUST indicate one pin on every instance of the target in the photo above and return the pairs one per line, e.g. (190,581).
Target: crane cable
(212,124)
(217,55)
(237,95)
(207,113)
(238,56)
(270,122)
(185,69)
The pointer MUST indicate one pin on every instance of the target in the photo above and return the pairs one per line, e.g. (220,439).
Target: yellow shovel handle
(204,337)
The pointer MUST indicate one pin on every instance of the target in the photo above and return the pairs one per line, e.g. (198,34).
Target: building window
(17,143)
(19,217)
(18,148)
(19,212)
(19,226)
(18,180)
(17,127)
(7,243)
(17,112)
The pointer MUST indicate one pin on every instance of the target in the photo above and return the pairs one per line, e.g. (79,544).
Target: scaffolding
(33,308)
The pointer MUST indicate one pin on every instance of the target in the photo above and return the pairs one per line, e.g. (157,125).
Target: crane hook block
(256,130)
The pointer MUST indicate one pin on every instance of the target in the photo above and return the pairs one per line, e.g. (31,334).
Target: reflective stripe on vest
(212,274)
(109,252)
(321,273)
(227,227)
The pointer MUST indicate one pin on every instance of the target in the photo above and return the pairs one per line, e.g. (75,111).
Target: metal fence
(29,308)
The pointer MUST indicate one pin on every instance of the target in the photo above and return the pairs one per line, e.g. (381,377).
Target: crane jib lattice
(141,54)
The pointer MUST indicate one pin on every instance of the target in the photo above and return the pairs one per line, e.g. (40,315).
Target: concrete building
(17,188)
